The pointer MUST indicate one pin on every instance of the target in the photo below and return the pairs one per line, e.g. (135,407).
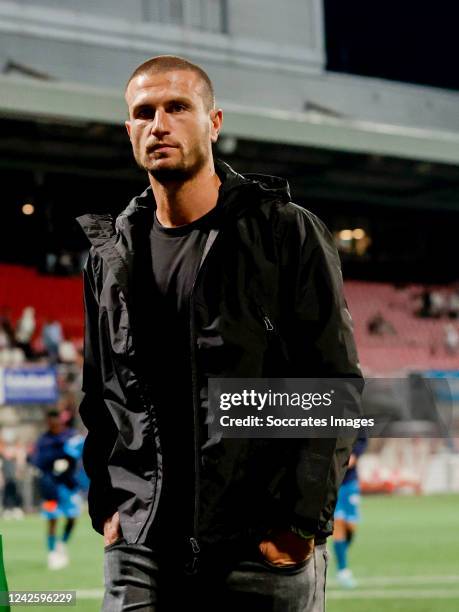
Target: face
(170,128)
(54,424)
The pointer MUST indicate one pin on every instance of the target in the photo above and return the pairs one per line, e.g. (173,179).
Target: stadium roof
(67,102)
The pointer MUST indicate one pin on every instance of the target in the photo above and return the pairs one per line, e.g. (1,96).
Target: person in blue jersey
(347,515)
(74,447)
(57,454)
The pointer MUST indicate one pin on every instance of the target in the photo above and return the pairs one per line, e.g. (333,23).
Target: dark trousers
(11,495)
(140,578)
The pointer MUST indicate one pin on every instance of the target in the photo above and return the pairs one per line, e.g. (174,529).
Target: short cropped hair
(165,63)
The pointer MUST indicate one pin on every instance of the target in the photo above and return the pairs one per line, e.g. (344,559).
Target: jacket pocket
(293,568)
(114,544)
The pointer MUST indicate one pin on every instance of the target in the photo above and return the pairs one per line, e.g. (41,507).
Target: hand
(285,548)
(112,529)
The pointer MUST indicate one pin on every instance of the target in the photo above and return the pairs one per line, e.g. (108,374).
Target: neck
(182,203)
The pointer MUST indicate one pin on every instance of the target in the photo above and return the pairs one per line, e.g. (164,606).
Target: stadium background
(357,106)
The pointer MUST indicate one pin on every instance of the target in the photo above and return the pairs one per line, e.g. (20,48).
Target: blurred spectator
(68,408)
(4,340)
(425,310)
(437,304)
(10,354)
(25,329)
(453,305)
(451,338)
(379,326)
(67,352)
(6,333)
(12,357)
(13,460)
(65,263)
(52,337)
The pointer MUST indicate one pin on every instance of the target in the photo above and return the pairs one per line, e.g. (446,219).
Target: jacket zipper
(265,317)
(193,538)
(145,398)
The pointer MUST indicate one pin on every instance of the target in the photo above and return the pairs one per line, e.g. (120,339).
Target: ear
(216,118)
(128,128)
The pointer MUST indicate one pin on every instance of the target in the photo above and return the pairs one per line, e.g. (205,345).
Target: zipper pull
(192,565)
(195,546)
(266,320)
(269,326)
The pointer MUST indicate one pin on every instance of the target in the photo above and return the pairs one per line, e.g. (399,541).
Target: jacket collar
(101,228)
(114,239)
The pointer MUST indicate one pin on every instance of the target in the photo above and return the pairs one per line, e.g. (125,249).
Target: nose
(159,126)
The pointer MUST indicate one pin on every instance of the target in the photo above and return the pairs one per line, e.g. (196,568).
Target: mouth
(160,147)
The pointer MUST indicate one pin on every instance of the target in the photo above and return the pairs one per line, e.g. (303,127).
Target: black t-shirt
(176,254)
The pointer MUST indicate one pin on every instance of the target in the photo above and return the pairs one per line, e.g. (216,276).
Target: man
(12,461)
(347,515)
(207,274)
(55,455)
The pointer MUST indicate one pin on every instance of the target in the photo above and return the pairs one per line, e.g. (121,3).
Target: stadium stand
(406,342)
(53,297)
(415,342)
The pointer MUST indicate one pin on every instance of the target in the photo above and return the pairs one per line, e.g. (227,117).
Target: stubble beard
(178,173)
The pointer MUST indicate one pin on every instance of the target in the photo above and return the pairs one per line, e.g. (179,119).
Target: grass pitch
(405,558)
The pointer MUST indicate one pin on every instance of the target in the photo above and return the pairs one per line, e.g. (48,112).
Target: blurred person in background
(13,461)
(68,407)
(68,410)
(52,337)
(379,326)
(56,455)
(184,286)
(451,338)
(347,515)
(438,304)
(426,303)
(6,333)
(7,341)
(453,304)
(25,329)
(74,448)
(68,352)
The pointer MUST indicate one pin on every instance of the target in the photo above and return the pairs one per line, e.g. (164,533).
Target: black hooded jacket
(267,301)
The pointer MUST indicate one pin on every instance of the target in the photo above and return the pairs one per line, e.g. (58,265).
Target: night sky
(401,40)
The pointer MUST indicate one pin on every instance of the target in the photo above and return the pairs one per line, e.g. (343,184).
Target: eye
(144,113)
(177,107)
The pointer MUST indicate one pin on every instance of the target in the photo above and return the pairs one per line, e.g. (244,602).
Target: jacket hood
(267,186)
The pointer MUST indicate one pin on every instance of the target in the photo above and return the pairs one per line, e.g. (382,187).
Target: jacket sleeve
(320,344)
(94,413)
